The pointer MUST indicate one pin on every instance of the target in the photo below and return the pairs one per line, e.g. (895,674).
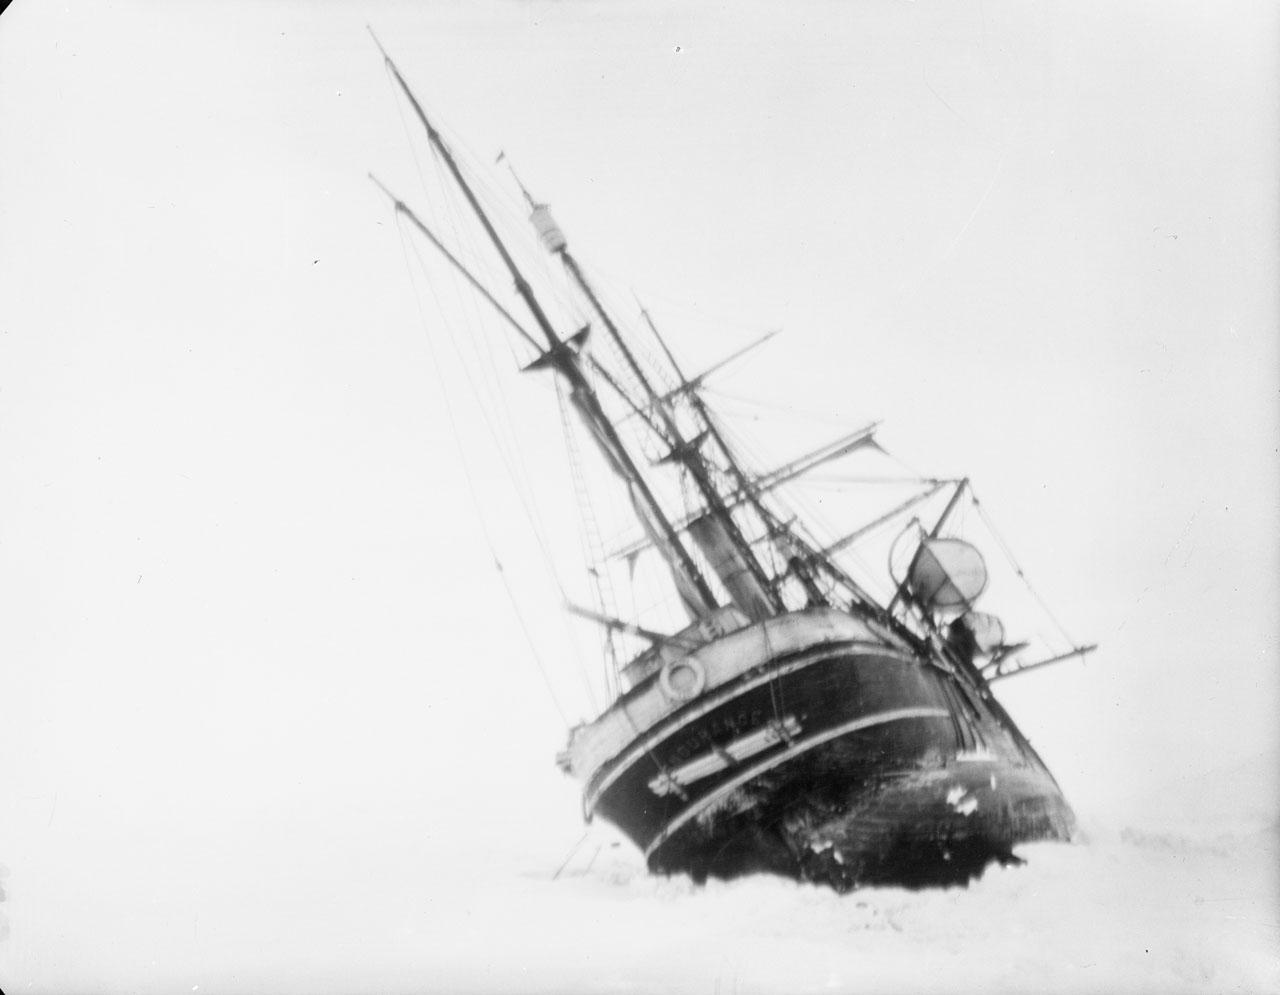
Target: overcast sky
(253,646)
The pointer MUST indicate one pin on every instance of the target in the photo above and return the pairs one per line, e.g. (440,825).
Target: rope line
(592,547)
(471,486)
(1004,546)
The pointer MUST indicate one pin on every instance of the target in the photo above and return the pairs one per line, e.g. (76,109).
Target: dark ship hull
(844,761)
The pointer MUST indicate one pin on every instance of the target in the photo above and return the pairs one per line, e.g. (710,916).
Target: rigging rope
(521,486)
(592,547)
(510,451)
(517,479)
(503,433)
(484,526)
(1004,546)
(508,445)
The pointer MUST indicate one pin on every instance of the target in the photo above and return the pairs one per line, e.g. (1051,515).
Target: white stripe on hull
(712,701)
(796,749)
(724,660)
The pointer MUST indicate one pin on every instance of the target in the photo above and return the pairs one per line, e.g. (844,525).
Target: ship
(794,721)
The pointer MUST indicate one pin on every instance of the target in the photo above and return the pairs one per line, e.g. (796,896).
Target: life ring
(683,679)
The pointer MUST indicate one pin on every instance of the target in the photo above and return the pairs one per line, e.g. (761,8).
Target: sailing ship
(795,723)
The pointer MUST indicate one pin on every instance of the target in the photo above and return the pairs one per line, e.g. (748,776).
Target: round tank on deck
(946,574)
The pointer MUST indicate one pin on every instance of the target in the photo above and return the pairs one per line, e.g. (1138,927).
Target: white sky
(253,649)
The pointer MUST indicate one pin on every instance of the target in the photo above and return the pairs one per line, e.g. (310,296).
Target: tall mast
(562,355)
(744,483)
(746,486)
(522,285)
(686,451)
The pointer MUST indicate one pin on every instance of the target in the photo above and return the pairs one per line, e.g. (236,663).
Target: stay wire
(536,263)
(506,447)
(509,447)
(526,504)
(471,487)
(538,527)
(509,450)
(1004,546)
(793,503)
(589,538)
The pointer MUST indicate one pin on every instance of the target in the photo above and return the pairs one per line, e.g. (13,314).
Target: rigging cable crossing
(475,497)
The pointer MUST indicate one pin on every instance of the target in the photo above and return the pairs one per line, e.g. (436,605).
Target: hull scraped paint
(770,712)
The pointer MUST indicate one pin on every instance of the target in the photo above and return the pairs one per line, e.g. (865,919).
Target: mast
(686,451)
(403,209)
(802,557)
(563,356)
(746,486)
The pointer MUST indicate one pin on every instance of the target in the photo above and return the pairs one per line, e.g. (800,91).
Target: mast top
(369,27)
(553,239)
(533,204)
(563,356)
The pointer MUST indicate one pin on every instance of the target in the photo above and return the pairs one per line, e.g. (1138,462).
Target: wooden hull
(840,764)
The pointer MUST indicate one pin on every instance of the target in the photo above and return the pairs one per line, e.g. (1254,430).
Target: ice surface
(1169,904)
(525,903)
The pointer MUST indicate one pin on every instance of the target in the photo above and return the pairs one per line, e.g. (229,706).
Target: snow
(1116,913)
(1170,901)
(1160,905)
